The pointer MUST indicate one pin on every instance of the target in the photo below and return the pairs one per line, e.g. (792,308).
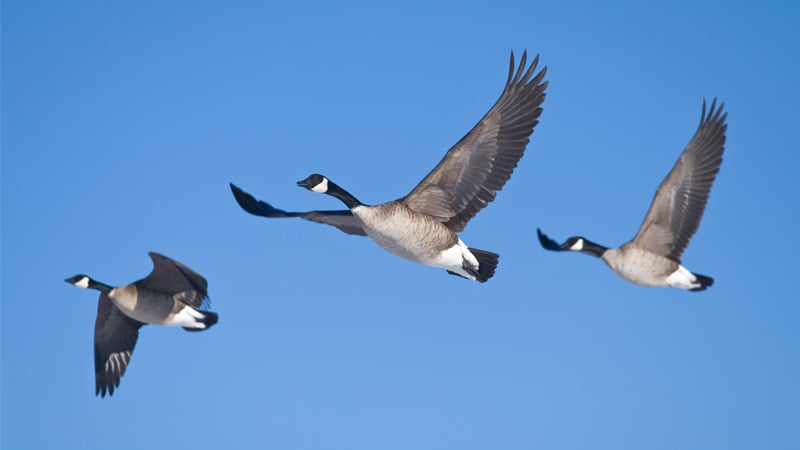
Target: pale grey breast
(639,266)
(143,304)
(405,233)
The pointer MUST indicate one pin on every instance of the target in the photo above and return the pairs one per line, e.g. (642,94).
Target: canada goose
(169,295)
(653,256)
(422,226)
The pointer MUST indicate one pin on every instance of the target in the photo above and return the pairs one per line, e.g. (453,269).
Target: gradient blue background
(123,122)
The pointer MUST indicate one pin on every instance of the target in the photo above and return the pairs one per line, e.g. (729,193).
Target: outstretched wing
(547,243)
(342,219)
(170,276)
(115,335)
(681,198)
(473,170)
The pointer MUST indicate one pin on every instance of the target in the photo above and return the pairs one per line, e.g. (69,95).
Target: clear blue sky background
(123,122)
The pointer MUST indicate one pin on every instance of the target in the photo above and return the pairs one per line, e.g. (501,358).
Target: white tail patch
(682,279)
(454,258)
(188,318)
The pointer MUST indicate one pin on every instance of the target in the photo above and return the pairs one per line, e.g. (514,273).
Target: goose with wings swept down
(169,295)
(653,256)
(423,225)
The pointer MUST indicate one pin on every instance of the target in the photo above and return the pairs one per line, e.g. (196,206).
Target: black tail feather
(210,319)
(704,282)
(487,263)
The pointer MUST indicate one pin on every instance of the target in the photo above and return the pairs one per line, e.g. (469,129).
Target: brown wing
(681,198)
(171,277)
(115,335)
(344,220)
(473,170)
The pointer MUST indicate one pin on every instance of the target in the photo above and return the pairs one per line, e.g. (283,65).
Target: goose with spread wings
(653,256)
(423,225)
(170,295)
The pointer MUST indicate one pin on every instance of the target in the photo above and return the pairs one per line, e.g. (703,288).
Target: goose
(423,225)
(169,295)
(653,256)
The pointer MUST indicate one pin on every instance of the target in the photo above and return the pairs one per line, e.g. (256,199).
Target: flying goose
(653,256)
(169,295)
(422,226)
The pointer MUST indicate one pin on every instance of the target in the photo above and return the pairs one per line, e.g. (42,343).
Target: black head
(574,243)
(315,183)
(84,281)
(80,280)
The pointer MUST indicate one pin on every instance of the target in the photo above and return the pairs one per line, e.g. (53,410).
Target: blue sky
(123,123)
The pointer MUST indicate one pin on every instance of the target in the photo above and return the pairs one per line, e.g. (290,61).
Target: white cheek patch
(577,246)
(83,283)
(321,187)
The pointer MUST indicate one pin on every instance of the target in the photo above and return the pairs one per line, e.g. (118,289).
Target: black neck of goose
(591,248)
(347,198)
(102,287)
